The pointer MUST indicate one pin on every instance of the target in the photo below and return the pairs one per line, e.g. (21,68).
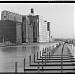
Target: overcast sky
(61,16)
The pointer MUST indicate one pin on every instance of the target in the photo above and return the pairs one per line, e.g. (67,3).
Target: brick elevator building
(27,28)
(8,31)
(35,28)
(15,18)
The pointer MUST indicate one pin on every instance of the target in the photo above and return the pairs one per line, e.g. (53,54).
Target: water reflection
(10,55)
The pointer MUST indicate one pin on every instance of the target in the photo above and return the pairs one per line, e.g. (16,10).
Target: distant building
(25,25)
(7,15)
(18,32)
(44,30)
(35,29)
(14,17)
(29,28)
(8,31)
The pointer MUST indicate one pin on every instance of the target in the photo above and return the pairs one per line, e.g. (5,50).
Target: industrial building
(7,31)
(35,28)
(29,28)
(10,31)
(7,15)
(13,17)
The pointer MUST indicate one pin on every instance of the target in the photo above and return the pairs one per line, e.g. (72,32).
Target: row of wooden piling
(44,59)
(46,56)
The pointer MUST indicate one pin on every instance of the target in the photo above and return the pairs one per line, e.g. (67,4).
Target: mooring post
(51,52)
(38,67)
(34,58)
(49,55)
(24,64)
(37,55)
(42,51)
(42,64)
(45,60)
(62,59)
(30,60)
(15,67)
(45,49)
(40,54)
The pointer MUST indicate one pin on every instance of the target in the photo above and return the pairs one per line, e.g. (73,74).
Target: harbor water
(72,49)
(10,55)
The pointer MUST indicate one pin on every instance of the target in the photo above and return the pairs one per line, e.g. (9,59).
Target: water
(72,49)
(10,55)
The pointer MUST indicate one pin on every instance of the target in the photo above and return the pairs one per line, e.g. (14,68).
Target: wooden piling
(49,55)
(45,49)
(42,51)
(24,64)
(37,55)
(15,67)
(51,52)
(45,60)
(34,58)
(38,67)
(42,64)
(30,60)
(62,59)
(40,54)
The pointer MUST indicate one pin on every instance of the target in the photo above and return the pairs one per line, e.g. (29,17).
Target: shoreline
(25,44)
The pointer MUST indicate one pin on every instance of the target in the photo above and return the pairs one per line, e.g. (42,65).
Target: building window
(4,16)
